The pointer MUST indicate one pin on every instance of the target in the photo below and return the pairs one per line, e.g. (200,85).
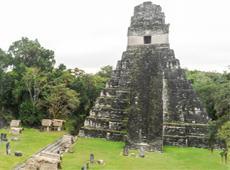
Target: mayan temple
(148,101)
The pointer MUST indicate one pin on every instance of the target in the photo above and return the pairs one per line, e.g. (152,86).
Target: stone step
(103,133)
(110,124)
(49,156)
(53,148)
(107,114)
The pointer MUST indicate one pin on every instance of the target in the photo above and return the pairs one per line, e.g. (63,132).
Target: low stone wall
(186,141)
(185,134)
(101,133)
(49,158)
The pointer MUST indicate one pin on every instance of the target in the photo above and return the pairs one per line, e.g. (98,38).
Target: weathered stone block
(15,123)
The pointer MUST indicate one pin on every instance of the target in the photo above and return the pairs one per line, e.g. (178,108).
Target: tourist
(8,148)
(225,154)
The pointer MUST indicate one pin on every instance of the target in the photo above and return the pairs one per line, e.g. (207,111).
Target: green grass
(173,158)
(31,141)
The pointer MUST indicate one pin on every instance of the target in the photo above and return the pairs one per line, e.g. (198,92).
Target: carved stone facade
(148,97)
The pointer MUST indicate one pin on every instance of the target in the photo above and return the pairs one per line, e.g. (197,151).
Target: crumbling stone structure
(148,99)
(49,158)
(15,127)
(58,124)
(54,124)
(46,124)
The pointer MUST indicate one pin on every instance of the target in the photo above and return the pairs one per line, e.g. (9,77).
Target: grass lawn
(30,142)
(173,158)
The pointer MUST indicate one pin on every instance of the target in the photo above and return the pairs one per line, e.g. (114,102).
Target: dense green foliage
(214,91)
(173,158)
(31,88)
(31,141)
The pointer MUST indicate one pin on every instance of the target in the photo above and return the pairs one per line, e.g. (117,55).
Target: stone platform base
(168,139)
(150,147)
(186,141)
(101,133)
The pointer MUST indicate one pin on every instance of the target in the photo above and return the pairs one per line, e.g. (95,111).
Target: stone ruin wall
(148,97)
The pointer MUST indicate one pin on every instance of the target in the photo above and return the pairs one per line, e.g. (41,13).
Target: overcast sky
(93,33)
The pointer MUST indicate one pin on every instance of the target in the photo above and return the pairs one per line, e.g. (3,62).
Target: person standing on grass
(225,155)
(222,156)
(91,158)
(8,148)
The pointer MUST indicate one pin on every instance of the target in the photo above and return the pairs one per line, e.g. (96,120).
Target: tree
(5,61)
(34,89)
(28,92)
(33,82)
(224,133)
(222,105)
(214,91)
(31,54)
(222,96)
(61,101)
(3,64)
(6,83)
(105,72)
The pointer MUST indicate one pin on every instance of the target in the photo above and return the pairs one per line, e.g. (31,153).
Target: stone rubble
(50,157)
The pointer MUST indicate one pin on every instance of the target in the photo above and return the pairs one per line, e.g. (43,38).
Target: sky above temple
(93,33)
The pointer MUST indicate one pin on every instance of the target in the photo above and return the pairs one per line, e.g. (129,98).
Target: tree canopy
(31,88)
(214,91)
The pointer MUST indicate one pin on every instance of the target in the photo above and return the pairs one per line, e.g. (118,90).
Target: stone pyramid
(148,101)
